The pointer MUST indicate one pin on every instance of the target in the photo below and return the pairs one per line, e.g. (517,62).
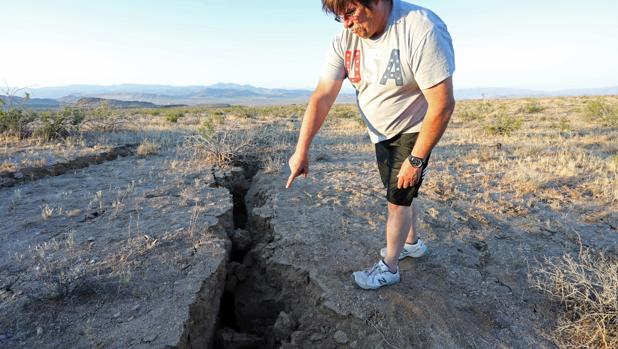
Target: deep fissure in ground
(266,303)
(238,183)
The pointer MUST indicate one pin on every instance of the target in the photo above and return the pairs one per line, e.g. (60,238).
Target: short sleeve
(334,66)
(434,58)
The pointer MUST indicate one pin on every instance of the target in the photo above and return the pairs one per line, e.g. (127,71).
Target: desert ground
(171,228)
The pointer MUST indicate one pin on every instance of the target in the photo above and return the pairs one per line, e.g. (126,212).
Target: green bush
(207,128)
(564,124)
(74,116)
(532,108)
(174,116)
(603,112)
(344,112)
(485,107)
(242,112)
(52,126)
(470,115)
(504,125)
(14,120)
(58,124)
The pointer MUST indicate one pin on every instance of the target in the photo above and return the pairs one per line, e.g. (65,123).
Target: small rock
(297,337)
(316,337)
(117,315)
(18,175)
(283,326)
(136,307)
(241,272)
(2,337)
(150,338)
(241,239)
(90,239)
(228,338)
(354,344)
(39,331)
(340,337)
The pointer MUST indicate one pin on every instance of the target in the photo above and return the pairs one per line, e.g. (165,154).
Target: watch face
(416,162)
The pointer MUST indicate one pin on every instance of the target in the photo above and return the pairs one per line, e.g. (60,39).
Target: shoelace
(373,269)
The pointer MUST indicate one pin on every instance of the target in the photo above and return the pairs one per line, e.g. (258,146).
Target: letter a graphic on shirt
(393,71)
(348,62)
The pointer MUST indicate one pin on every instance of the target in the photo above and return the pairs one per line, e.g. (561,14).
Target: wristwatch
(416,161)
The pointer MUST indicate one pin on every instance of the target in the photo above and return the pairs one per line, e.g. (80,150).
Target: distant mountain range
(163,95)
(496,92)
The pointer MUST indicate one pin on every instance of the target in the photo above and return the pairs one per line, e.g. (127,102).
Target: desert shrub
(221,149)
(281,111)
(469,115)
(504,124)
(233,147)
(217,119)
(207,128)
(564,124)
(485,107)
(174,116)
(147,148)
(60,265)
(74,116)
(603,112)
(587,288)
(532,108)
(242,112)
(104,118)
(13,121)
(52,125)
(344,112)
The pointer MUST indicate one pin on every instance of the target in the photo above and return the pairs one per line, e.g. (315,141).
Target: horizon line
(344,88)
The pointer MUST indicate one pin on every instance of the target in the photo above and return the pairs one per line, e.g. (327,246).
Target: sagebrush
(587,288)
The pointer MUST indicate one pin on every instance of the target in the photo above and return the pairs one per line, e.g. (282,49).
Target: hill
(90,102)
(34,103)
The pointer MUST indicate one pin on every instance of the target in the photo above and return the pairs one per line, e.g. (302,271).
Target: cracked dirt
(167,251)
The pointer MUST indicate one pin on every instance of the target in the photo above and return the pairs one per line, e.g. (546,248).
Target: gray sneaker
(375,277)
(414,251)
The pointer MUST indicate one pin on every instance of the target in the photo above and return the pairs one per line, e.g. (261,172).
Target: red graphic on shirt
(348,61)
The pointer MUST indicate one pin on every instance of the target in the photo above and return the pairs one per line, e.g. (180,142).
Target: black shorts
(390,155)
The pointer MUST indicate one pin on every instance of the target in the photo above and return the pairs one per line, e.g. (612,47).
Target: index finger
(290,180)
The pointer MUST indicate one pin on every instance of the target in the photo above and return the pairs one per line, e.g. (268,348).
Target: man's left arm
(441,103)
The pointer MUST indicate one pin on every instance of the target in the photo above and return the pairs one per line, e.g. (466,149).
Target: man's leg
(412,238)
(398,229)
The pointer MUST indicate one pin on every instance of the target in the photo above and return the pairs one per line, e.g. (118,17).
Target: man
(399,58)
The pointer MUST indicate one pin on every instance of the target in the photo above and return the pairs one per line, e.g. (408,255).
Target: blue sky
(523,44)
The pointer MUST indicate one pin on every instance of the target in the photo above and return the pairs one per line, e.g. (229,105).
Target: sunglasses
(350,14)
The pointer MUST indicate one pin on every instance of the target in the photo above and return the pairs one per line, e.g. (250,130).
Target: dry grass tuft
(147,148)
(222,149)
(587,287)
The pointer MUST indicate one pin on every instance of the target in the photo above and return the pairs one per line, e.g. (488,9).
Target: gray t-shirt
(415,52)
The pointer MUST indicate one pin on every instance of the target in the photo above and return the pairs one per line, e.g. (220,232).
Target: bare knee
(397,210)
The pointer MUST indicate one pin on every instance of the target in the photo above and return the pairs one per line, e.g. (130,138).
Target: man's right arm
(319,105)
